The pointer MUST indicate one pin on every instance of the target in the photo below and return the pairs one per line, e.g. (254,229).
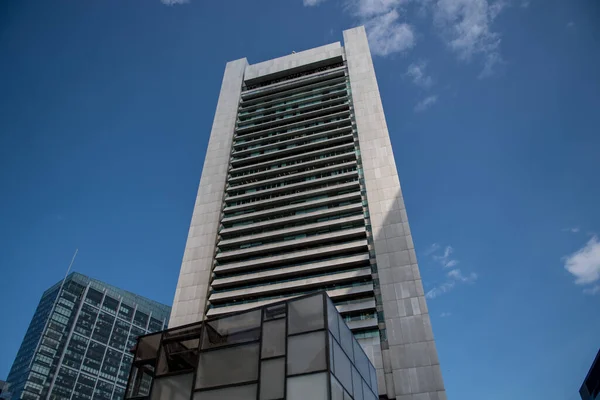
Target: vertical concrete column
(409,368)
(195,273)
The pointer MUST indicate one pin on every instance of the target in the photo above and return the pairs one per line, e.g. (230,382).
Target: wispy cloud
(416,72)
(174,2)
(426,103)
(453,277)
(570,24)
(584,265)
(388,35)
(445,314)
(432,249)
(593,290)
(575,229)
(311,3)
(466,28)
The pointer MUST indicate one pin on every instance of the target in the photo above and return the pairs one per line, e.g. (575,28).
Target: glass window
(306,353)
(246,392)
(103,391)
(277,311)
(93,358)
(227,366)
(332,319)
(147,347)
(103,327)
(272,379)
(75,351)
(305,315)
(337,391)
(179,350)
(311,386)
(141,319)
(118,394)
(125,312)
(346,338)
(110,305)
(229,330)
(176,387)
(65,382)
(84,387)
(367,393)
(373,374)
(94,297)
(357,385)
(133,335)
(155,325)
(124,370)
(273,338)
(140,381)
(361,361)
(342,367)
(86,320)
(110,366)
(119,335)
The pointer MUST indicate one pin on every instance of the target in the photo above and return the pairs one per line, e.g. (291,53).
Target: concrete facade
(300,192)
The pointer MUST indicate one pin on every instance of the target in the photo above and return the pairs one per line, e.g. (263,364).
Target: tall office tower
(299,193)
(590,389)
(77,344)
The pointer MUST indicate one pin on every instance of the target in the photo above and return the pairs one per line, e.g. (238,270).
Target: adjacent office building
(590,389)
(300,193)
(4,390)
(77,344)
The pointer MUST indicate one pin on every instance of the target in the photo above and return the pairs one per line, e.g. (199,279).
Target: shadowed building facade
(299,193)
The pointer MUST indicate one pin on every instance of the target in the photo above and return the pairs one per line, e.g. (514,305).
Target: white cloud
(426,103)
(445,314)
(572,230)
(440,290)
(445,258)
(432,249)
(465,26)
(311,3)
(453,277)
(174,2)
(370,8)
(416,72)
(388,35)
(584,264)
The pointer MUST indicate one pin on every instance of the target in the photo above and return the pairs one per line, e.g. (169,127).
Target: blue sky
(493,111)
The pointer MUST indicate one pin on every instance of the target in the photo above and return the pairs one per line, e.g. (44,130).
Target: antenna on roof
(293,52)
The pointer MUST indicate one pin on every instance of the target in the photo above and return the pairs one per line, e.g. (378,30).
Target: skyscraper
(77,344)
(299,192)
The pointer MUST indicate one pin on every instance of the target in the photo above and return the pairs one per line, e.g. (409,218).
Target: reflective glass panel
(346,338)
(175,387)
(229,365)
(147,347)
(343,367)
(246,392)
(272,378)
(337,391)
(357,385)
(303,387)
(230,330)
(332,319)
(305,315)
(273,338)
(306,353)
(361,361)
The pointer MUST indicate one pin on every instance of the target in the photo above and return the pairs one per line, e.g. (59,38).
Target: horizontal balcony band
(275,172)
(344,114)
(286,122)
(345,147)
(293,256)
(291,207)
(302,284)
(294,270)
(334,294)
(294,186)
(354,307)
(297,150)
(292,197)
(296,230)
(293,176)
(286,220)
(322,95)
(300,110)
(291,139)
(362,324)
(288,93)
(301,81)
(348,234)
(327,126)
